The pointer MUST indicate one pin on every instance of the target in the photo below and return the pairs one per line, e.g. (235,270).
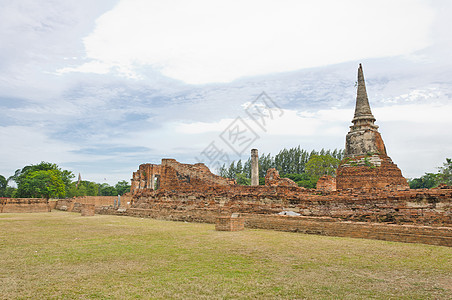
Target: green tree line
(302,166)
(47,180)
(431,180)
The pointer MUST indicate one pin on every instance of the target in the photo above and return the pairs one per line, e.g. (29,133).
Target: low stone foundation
(87,210)
(229,223)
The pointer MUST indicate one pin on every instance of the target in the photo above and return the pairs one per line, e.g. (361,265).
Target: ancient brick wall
(423,207)
(75,204)
(24,205)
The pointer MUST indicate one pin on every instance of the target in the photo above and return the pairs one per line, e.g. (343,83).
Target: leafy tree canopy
(427,181)
(48,180)
(3,185)
(42,183)
(42,180)
(319,165)
(122,187)
(445,172)
(431,180)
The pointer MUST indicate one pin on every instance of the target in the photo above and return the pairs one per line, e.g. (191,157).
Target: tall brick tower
(366,164)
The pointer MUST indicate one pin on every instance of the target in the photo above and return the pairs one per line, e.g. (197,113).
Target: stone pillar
(254,167)
(153,181)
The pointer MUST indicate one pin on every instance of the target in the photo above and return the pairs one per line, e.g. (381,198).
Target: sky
(100,87)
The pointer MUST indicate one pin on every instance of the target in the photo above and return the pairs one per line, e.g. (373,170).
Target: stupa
(366,164)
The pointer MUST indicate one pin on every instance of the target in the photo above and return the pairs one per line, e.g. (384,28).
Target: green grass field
(66,256)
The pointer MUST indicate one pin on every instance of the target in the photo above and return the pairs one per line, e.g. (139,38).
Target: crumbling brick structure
(371,198)
(273,179)
(173,176)
(366,164)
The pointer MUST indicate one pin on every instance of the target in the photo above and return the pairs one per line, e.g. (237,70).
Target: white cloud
(31,145)
(218,41)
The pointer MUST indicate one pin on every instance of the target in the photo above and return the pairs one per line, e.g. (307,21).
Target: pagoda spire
(363,114)
(363,137)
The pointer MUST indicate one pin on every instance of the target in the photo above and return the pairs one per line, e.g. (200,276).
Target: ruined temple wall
(428,207)
(175,176)
(24,205)
(189,174)
(75,204)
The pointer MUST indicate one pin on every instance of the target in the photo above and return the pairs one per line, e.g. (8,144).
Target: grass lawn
(66,256)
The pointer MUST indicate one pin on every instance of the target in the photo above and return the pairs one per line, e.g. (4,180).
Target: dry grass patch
(64,255)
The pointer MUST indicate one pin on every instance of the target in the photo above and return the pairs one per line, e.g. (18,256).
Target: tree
(223,171)
(265,162)
(247,168)
(445,172)
(239,167)
(303,180)
(3,185)
(319,165)
(42,183)
(427,181)
(10,192)
(27,177)
(242,179)
(107,190)
(122,187)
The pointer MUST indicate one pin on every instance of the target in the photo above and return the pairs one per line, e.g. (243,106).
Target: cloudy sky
(99,87)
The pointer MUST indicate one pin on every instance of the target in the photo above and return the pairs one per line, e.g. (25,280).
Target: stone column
(153,181)
(254,167)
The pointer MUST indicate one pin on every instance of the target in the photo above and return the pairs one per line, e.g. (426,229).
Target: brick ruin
(369,198)
(192,193)
(368,189)
(171,175)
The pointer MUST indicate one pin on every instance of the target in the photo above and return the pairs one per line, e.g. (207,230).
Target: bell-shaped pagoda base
(371,171)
